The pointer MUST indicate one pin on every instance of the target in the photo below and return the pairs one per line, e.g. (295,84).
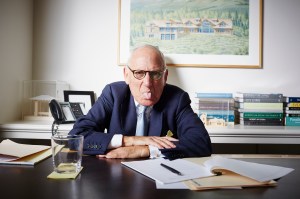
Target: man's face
(146,91)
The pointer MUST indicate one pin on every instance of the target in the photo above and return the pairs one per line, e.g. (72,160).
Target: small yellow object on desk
(55,175)
(169,133)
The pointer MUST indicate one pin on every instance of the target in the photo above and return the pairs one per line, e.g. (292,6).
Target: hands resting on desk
(138,146)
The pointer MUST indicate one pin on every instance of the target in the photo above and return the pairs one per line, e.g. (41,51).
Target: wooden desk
(109,179)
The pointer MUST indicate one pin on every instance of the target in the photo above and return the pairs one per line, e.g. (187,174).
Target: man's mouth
(146,95)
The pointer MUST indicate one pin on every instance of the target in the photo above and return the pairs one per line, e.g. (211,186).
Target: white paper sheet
(152,169)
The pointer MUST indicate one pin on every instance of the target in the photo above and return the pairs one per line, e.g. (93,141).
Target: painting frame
(252,60)
(86,97)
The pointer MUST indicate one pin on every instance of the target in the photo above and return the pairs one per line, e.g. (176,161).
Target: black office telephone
(66,112)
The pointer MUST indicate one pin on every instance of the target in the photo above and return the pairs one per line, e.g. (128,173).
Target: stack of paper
(15,153)
(209,173)
(152,168)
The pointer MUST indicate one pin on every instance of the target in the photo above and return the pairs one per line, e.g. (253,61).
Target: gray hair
(155,48)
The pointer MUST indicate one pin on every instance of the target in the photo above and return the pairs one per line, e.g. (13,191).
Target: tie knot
(141,109)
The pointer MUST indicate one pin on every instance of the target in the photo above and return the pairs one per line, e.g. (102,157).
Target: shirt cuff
(155,152)
(116,141)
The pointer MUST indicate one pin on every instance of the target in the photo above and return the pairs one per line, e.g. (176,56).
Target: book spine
(262,115)
(215,100)
(292,111)
(292,99)
(214,107)
(214,95)
(260,95)
(223,103)
(250,105)
(272,100)
(261,123)
(294,104)
(261,110)
(292,121)
(227,118)
(292,115)
(216,112)
(292,108)
(272,120)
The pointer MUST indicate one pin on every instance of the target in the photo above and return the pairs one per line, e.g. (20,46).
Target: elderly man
(143,116)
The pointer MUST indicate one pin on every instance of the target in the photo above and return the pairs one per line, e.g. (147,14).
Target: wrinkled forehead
(147,55)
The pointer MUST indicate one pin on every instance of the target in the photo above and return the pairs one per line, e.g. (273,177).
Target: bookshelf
(238,134)
(30,129)
(255,134)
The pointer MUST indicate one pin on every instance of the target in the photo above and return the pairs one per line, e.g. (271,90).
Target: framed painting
(194,33)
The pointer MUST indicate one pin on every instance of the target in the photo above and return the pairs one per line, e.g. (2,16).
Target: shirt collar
(148,111)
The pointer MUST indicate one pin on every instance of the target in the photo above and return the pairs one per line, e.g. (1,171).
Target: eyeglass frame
(161,72)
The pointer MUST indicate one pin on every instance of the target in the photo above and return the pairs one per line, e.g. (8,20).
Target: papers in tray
(15,153)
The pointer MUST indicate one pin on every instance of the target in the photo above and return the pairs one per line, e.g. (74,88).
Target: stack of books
(215,109)
(292,111)
(262,109)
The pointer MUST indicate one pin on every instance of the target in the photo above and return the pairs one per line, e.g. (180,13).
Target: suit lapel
(128,116)
(156,120)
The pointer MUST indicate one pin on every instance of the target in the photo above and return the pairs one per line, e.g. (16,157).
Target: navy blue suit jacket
(115,113)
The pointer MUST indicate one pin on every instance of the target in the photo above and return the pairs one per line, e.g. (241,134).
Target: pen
(171,169)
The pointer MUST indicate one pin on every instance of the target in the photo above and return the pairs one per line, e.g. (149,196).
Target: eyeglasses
(140,74)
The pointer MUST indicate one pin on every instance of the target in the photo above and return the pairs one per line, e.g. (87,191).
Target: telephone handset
(66,112)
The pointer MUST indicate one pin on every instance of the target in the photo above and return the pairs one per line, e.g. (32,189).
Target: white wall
(15,55)
(76,41)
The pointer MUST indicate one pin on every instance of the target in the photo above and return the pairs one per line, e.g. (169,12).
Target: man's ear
(166,76)
(125,73)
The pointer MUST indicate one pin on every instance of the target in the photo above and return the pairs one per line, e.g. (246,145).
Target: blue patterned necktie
(141,124)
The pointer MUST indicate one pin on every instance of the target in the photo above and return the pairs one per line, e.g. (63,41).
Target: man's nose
(147,79)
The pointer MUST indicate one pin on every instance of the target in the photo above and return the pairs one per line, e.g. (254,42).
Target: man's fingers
(162,142)
(127,152)
(101,156)
(159,142)
(170,138)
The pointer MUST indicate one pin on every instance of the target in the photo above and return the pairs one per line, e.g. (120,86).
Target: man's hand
(159,142)
(127,152)
(138,146)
